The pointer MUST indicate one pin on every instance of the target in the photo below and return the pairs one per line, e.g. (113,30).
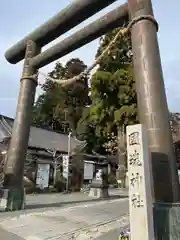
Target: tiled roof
(39,137)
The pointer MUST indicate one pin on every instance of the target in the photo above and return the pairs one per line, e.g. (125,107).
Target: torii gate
(152,103)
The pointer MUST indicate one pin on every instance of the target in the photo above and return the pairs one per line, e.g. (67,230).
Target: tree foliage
(60,108)
(174,119)
(114,103)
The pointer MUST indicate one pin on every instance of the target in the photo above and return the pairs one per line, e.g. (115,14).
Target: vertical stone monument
(140,187)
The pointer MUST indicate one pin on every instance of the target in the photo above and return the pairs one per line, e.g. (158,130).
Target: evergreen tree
(174,119)
(60,108)
(113,89)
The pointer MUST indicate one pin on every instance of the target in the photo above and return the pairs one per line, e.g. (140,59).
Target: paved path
(111,235)
(81,220)
(4,235)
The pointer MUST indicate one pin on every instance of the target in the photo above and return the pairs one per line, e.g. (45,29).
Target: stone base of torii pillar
(12,199)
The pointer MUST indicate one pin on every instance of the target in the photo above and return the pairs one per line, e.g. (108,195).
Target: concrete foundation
(12,199)
(167,221)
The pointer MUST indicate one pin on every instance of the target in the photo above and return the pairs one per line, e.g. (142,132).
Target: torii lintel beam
(111,20)
(66,19)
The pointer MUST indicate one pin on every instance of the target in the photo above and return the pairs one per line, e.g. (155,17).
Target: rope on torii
(65,82)
(84,74)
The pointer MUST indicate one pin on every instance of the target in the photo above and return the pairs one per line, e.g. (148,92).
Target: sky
(18,18)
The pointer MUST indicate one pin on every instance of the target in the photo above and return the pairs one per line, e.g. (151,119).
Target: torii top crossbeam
(66,19)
